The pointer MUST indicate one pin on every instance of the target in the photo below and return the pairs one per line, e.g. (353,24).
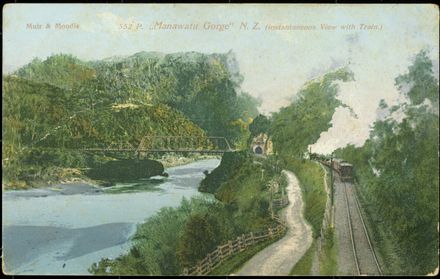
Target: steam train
(343,168)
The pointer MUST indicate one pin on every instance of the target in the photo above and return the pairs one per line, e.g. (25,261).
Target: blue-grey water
(65,228)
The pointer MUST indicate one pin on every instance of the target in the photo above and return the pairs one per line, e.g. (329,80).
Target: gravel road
(279,257)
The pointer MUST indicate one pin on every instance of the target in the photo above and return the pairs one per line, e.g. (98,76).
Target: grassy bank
(304,265)
(328,264)
(310,176)
(177,238)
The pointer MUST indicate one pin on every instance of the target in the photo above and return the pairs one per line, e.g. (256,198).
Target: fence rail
(241,243)
(279,203)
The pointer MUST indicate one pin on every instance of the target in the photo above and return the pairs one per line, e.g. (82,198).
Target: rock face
(230,162)
(127,169)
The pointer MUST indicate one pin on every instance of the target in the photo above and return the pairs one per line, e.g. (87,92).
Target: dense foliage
(397,169)
(229,164)
(260,124)
(41,122)
(155,242)
(300,124)
(63,102)
(206,88)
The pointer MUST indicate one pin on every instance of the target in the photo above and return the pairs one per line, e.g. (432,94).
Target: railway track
(364,256)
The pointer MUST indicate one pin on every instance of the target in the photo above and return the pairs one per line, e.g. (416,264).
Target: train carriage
(346,171)
(343,168)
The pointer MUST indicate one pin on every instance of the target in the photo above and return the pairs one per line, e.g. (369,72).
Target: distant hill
(64,102)
(204,87)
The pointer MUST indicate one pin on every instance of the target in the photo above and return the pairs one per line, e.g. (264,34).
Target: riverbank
(169,161)
(56,176)
(186,234)
(64,229)
(69,188)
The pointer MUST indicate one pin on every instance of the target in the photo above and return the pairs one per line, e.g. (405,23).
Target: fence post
(230,247)
(270,233)
(210,262)
(220,252)
(238,240)
(243,242)
(252,238)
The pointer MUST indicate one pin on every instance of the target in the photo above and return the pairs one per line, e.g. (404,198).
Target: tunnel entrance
(258,150)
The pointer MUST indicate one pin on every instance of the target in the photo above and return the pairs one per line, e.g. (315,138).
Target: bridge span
(160,145)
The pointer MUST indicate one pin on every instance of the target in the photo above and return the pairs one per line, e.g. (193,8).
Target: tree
(398,172)
(301,123)
(198,239)
(419,83)
(260,124)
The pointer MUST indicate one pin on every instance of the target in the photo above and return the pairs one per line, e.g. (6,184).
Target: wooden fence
(241,243)
(231,248)
(279,203)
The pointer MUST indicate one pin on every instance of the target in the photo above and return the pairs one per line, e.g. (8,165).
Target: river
(65,228)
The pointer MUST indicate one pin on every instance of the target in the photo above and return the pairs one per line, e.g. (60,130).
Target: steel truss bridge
(164,144)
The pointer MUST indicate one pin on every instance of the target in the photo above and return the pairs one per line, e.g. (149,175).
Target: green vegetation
(205,88)
(397,170)
(155,242)
(245,191)
(229,164)
(292,130)
(328,264)
(177,238)
(310,176)
(234,263)
(65,103)
(260,124)
(304,265)
(327,258)
(297,126)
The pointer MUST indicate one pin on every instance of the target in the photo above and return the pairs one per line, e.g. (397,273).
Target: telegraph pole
(331,178)
(271,201)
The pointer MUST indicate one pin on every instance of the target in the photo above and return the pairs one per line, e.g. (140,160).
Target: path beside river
(279,257)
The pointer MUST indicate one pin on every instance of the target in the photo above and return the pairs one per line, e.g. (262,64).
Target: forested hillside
(206,88)
(300,124)
(63,102)
(397,169)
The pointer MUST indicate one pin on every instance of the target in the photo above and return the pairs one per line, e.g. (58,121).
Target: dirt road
(279,257)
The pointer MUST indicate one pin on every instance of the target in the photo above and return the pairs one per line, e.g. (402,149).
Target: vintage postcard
(241,139)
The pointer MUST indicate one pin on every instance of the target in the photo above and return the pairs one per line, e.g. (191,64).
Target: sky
(275,64)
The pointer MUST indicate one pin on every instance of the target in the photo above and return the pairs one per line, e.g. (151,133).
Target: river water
(64,229)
